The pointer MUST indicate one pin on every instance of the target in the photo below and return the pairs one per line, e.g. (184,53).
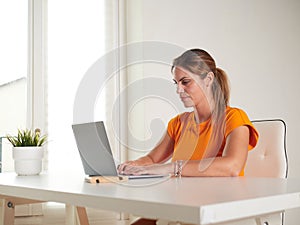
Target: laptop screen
(94,149)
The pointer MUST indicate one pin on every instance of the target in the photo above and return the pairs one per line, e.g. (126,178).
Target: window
(13,70)
(75,42)
(13,73)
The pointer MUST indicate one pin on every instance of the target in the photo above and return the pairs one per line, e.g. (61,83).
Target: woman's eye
(185,82)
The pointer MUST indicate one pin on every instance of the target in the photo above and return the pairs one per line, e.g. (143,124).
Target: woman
(213,139)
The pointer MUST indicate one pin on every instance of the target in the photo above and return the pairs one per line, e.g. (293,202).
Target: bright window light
(75,42)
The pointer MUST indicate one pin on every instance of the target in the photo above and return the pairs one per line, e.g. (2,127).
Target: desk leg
(76,215)
(124,216)
(70,218)
(7,216)
(82,216)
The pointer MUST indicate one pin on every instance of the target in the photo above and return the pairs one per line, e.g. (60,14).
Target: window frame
(37,64)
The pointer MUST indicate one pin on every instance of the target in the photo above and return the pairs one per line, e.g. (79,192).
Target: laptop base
(105,179)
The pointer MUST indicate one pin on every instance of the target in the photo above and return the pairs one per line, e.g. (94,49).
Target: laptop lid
(94,149)
(95,152)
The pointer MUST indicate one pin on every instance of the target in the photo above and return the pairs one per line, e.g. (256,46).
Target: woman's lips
(184,98)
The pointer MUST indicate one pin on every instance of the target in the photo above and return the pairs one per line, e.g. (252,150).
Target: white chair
(269,158)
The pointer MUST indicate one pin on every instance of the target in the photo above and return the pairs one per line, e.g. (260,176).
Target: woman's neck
(201,116)
(203,113)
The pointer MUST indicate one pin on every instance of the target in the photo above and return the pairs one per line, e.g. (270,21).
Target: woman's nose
(179,89)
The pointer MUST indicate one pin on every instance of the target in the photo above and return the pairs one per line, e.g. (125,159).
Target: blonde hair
(199,62)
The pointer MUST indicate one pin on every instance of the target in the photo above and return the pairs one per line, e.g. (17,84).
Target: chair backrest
(269,157)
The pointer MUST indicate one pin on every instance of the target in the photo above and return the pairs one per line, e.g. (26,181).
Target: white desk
(192,200)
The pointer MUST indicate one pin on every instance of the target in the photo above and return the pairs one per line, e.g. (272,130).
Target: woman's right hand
(143,161)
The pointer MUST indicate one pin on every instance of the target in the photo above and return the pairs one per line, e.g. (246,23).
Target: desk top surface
(194,200)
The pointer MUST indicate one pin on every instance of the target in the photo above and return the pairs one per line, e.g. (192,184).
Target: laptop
(95,151)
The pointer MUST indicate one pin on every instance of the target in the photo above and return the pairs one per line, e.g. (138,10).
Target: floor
(54,213)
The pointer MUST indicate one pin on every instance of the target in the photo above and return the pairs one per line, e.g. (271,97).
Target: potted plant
(27,151)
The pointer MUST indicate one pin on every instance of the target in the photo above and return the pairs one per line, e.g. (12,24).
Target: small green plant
(27,138)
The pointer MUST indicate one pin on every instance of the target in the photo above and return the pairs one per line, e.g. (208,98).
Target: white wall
(255,42)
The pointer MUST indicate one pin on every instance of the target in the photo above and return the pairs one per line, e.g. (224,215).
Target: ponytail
(223,83)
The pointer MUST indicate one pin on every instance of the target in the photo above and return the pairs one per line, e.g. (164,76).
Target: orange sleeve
(237,117)
(174,126)
(171,127)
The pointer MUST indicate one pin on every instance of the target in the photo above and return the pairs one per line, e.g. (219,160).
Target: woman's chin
(188,104)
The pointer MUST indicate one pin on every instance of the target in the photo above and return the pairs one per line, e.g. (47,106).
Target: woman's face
(190,87)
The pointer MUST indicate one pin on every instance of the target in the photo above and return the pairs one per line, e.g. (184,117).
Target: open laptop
(95,152)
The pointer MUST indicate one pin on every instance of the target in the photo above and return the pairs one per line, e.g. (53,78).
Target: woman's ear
(209,79)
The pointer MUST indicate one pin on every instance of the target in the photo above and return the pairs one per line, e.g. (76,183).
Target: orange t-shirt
(193,141)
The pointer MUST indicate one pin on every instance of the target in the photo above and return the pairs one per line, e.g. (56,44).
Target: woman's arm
(163,151)
(230,164)
(160,154)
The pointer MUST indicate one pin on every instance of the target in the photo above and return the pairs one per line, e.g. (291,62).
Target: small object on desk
(105,179)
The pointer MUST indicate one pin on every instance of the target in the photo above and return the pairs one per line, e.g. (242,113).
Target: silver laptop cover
(94,149)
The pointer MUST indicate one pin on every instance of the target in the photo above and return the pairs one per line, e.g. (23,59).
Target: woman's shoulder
(176,123)
(181,117)
(230,109)
(236,117)
(233,112)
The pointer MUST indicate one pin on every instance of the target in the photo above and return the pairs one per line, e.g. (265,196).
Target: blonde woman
(213,139)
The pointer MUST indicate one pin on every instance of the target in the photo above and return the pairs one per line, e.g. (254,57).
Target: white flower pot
(28,160)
